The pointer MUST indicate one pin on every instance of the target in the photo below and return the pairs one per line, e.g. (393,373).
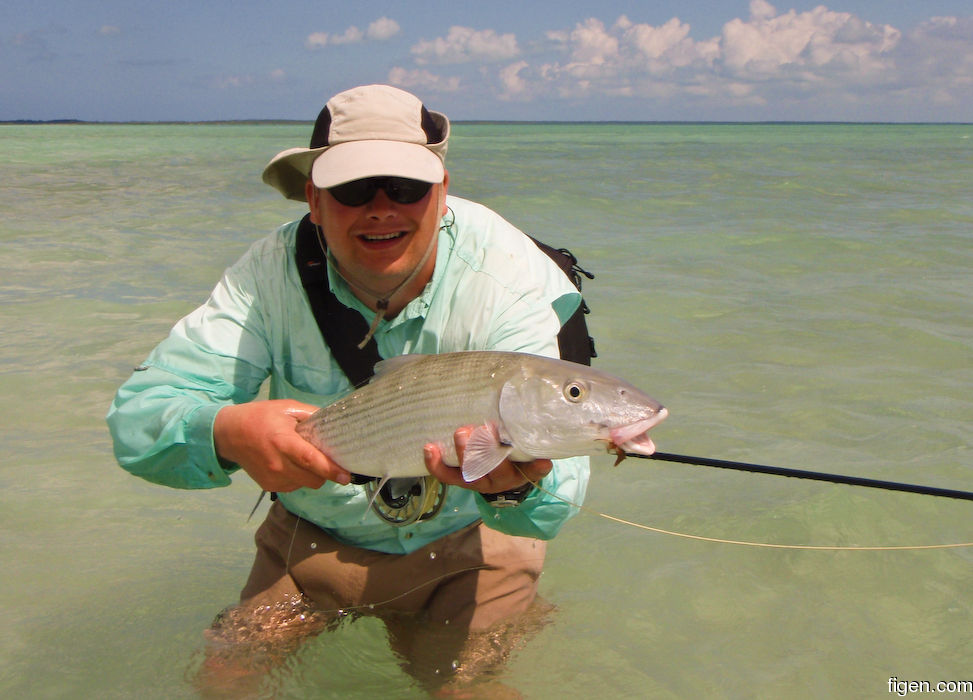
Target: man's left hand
(505,477)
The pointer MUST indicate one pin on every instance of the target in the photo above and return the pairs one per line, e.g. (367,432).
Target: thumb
(299,414)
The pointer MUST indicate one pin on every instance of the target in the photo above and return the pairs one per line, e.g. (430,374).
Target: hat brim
(289,170)
(354,160)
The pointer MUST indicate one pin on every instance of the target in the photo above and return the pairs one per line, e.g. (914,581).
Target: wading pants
(470,579)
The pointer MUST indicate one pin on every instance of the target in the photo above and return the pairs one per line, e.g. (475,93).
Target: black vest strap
(573,341)
(342,326)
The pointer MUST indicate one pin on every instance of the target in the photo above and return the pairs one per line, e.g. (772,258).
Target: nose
(380,206)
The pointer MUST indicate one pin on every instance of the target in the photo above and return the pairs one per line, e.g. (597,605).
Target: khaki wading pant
(466,582)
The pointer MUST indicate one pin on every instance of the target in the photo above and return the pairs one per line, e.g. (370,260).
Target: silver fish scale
(381,428)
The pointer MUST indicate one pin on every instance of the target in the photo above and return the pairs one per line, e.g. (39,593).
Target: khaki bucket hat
(368,131)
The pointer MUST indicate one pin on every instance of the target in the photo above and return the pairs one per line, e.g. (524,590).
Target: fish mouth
(634,436)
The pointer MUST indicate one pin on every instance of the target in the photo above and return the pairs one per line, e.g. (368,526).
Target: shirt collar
(418,307)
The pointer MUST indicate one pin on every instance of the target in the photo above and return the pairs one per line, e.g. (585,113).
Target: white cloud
(592,45)
(463,45)
(109,30)
(798,62)
(383,28)
(234,81)
(317,40)
(352,35)
(661,49)
(819,42)
(937,56)
(655,42)
(422,79)
(752,61)
(628,58)
(512,83)
(761,9)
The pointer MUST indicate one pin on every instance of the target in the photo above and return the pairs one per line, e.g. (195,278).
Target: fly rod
(803,474)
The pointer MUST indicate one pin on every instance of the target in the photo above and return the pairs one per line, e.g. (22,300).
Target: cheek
(333,217)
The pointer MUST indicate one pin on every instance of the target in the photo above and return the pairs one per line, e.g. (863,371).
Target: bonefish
(524,407)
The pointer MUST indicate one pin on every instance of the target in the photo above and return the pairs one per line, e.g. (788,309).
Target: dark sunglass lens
(399,189)
(354,193)
(406,191)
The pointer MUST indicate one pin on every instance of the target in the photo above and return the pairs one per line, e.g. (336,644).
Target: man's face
(379,243)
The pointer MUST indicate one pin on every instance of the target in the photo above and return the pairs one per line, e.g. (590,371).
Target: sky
(611,60)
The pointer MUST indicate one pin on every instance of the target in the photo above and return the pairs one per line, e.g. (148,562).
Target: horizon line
(161,122)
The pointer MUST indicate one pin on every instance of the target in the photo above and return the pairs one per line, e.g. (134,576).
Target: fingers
(433,455)
(295,463)
(260,436)
(314,465)
(300,413)
(505,477)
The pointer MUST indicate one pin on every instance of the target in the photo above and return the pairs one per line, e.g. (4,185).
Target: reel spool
(406,501)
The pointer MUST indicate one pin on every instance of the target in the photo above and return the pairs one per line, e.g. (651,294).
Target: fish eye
(575,391)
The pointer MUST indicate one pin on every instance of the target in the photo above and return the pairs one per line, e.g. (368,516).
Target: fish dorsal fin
(386,366)
(484,452)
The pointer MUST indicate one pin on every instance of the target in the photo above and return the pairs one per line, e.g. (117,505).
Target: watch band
(507,499)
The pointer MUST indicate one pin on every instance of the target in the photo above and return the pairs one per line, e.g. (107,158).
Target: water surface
(795,294)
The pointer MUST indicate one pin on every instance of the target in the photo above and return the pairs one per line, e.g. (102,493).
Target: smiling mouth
(380,237)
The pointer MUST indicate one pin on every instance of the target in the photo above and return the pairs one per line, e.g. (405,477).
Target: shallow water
(797,295)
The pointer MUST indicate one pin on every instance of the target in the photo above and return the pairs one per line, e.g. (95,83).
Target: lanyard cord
(381,301)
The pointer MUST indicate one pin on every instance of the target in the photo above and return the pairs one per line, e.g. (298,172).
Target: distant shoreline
(257,122)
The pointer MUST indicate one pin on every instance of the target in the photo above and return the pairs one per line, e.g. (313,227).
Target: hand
(507,475)
(260,436)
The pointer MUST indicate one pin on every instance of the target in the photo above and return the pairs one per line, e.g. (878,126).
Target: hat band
(321,135)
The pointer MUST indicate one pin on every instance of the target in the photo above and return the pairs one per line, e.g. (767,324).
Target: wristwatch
(508,499)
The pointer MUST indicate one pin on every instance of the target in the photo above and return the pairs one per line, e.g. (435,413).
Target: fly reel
(402,502)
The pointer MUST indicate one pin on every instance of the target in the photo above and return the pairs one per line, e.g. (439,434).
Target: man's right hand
(260,436)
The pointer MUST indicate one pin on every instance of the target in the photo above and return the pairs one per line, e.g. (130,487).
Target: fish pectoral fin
(484,452)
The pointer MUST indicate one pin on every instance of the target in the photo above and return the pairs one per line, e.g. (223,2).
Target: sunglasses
(400,190)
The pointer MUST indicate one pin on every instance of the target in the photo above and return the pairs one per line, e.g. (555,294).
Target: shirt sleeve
(161,419)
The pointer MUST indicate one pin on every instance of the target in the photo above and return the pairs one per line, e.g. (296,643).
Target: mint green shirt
(492,289)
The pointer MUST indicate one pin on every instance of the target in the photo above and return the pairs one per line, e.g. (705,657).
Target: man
(426,273)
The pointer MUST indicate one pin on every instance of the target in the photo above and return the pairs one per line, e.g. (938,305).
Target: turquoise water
(797,295)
